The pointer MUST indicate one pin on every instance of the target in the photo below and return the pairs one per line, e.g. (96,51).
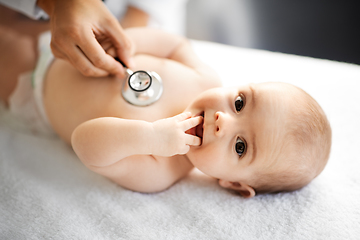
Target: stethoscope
(141,88)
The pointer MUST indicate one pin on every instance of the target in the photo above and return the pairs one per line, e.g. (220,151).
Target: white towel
(46,193)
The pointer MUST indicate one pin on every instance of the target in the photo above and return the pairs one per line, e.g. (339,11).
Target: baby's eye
(240,147)
(239,103)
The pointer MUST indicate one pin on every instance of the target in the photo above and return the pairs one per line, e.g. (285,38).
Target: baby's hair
(309,139)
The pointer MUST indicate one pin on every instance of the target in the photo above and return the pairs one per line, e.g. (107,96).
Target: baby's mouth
(199,129)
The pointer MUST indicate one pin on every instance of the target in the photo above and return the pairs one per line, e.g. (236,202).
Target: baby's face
(242,129)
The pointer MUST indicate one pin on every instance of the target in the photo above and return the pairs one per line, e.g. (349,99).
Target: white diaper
(26,102)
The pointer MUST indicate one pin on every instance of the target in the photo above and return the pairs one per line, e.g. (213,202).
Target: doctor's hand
(171,137)
(82,32)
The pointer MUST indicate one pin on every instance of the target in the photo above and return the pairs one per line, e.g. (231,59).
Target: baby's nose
(221,124)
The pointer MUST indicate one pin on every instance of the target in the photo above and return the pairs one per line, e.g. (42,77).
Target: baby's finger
(182,116)
(184,150)
(192,140)
(191,122)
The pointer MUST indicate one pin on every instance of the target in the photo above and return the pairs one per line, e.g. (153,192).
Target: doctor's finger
(122,43)
(57,52)
(100,59)
(77,58)
(109,48)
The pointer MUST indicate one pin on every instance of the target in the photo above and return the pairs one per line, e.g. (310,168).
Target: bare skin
(231,134)
(78,28)
(72,99)
(19,39)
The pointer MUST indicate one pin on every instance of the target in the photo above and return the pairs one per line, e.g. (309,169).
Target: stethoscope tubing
(131,74)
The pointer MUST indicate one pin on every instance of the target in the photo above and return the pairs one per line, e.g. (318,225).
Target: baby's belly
(71,99)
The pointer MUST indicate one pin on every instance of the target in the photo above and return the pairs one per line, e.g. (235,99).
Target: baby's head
(260,138)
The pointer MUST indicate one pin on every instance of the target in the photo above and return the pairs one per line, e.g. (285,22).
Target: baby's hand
(170,137)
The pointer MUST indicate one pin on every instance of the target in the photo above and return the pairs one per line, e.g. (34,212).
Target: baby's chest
(172,102)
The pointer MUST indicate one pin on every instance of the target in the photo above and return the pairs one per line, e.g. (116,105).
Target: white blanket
(46,193)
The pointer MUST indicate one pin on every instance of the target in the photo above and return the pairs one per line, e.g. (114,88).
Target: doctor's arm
(79,28)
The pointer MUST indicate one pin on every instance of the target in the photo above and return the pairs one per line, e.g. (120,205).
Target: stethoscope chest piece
(142,88)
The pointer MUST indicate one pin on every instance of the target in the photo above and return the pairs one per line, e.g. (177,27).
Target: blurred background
(318,28)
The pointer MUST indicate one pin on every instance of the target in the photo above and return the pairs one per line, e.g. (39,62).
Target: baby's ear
(245,190)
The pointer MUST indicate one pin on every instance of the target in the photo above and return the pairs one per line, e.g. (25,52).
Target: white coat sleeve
(166,14)
(27,7)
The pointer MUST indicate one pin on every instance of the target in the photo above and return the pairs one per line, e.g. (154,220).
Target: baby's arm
(174,47)
(104,142)
(154,42)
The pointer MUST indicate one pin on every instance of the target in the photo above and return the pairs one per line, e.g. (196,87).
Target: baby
(258,138)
